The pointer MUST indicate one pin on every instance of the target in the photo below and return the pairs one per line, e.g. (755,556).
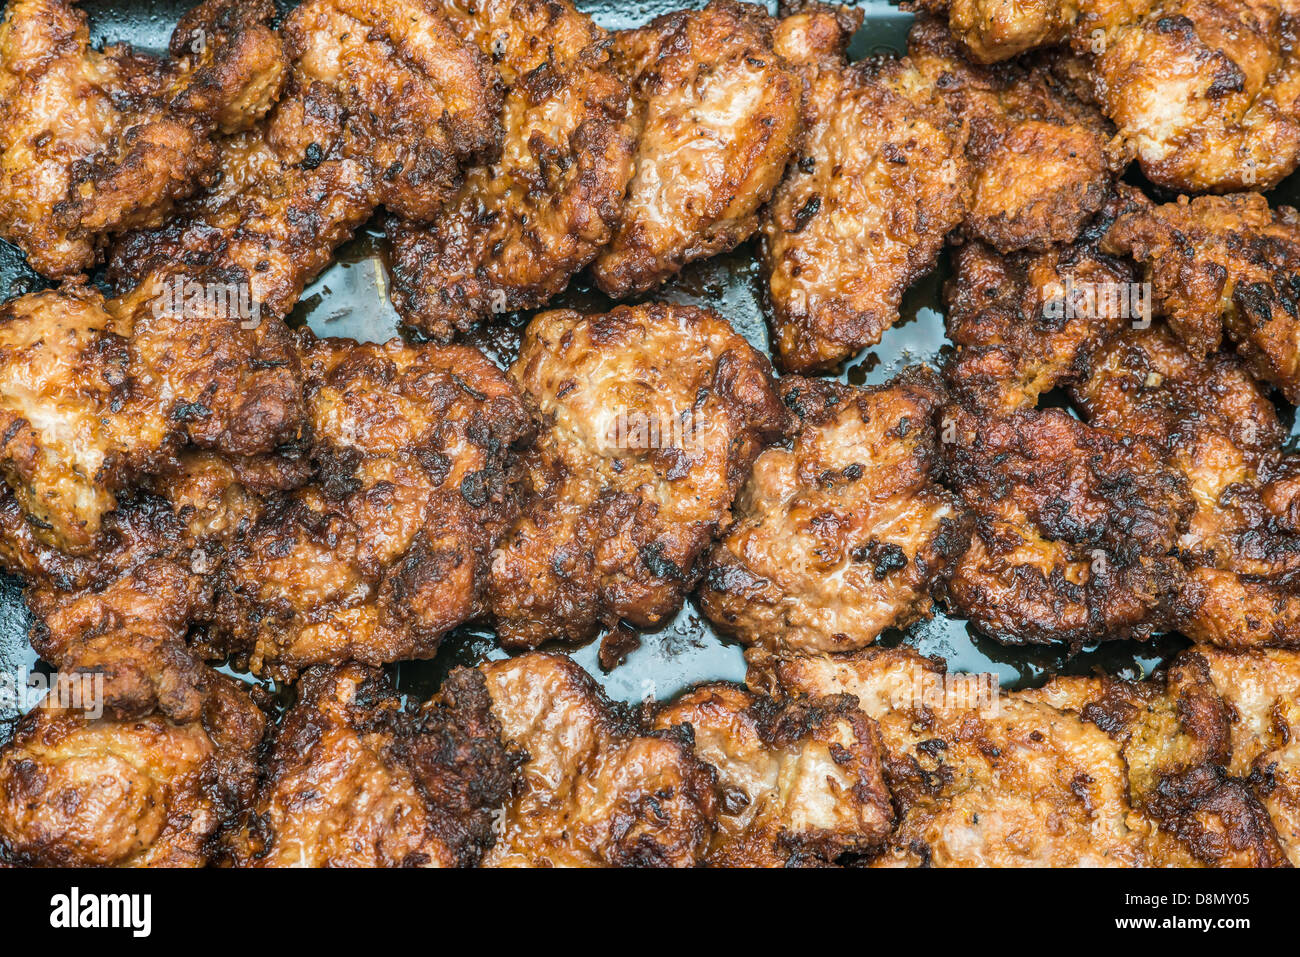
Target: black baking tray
(350,299)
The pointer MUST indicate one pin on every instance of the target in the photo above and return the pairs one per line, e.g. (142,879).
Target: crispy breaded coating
(520,226)
(999,782)
(1027,323)
(843,534)
(1041,160)
(994,30)
(95,142)
(599,789)
(652,418)
(800,778)
(1224,263)
(1221,432)
(98,395)
(141,790)
(718,112)
(383,105)
(1074,527)
(879,181)
(390,546)
(355,779)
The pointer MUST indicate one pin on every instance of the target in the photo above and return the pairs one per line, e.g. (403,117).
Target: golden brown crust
(520,226)
(144,790)
(652,417)
(389,548)
(843,534)
(1041,160)
(880,179)
(1224,263)
(383,105)
(718,112)
(354,779)
(800,779)
(598,788)
(98,142)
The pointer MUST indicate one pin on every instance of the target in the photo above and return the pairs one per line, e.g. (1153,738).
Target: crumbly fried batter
(719,117)
(843,534)
(1074,527)
(1028,323)
(653,416)
(1221,432)
(598,788)
(1224,262)
(384,103)
(141,790)
(389,547)
(356,780)
(1041,160)
(519,227)
(800,778)
(1004,782)
(98,142)
(880,179)
(97,395)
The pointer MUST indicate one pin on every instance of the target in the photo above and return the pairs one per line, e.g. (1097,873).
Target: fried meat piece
(1206,92)
(520,226)
(1220,431)
(1075,526)
(1027,323)
(843,534)
(94,142)
(879,181)
(389,547)
(383,105)
(1175,734)
(98,395)
(599,789)
(140,790)
(1041,160)
(652,418)
(355,779)
(995,30)
(1001,781)
(800,778)
(718,112)
(1224,263)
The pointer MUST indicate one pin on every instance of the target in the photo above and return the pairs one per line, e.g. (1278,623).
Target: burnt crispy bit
(1075,526)
(355,779)
(390,546)
(879,181)
(1220,431)
(1027,323)
(718,116)
(800,779)
(518,227)
(598,788)
(653,416)
(145,789)
(96,142)
(843,534)
(1224,264)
